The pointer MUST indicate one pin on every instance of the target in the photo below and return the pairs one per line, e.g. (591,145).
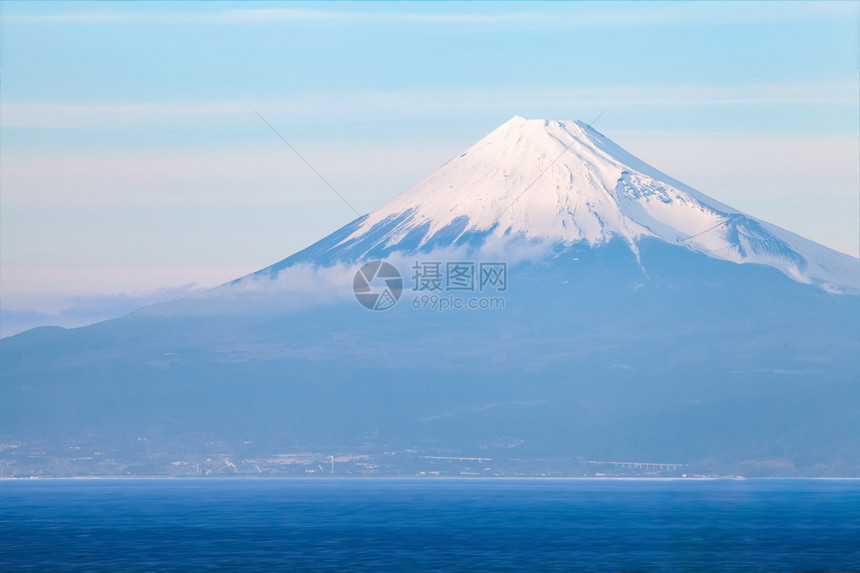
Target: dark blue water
(452,525)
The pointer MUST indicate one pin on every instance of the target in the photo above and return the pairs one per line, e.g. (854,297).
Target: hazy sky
(133,166)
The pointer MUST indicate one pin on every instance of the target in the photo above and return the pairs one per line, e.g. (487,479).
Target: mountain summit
(563,182)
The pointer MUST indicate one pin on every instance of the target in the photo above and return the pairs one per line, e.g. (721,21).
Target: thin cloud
(76,311)
(611,15)
(286,14)
(113,115)
(276,15)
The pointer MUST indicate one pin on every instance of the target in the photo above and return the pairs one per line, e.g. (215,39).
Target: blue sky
(134,166)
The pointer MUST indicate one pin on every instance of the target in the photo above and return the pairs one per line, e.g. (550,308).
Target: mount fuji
(563,182)
(642,327)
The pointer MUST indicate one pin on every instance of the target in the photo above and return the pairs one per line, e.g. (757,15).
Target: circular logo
(377,285)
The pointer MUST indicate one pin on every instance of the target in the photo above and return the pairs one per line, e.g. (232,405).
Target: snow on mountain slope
(563,182)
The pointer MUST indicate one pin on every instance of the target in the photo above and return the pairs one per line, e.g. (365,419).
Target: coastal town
(22,461)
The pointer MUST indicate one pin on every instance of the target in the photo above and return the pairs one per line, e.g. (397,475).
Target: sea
(433,524)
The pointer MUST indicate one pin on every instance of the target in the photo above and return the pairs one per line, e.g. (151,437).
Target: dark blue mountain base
(728,369)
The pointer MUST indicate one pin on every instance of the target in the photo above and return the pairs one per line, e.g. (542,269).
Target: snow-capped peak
(562,181)
(541,179)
